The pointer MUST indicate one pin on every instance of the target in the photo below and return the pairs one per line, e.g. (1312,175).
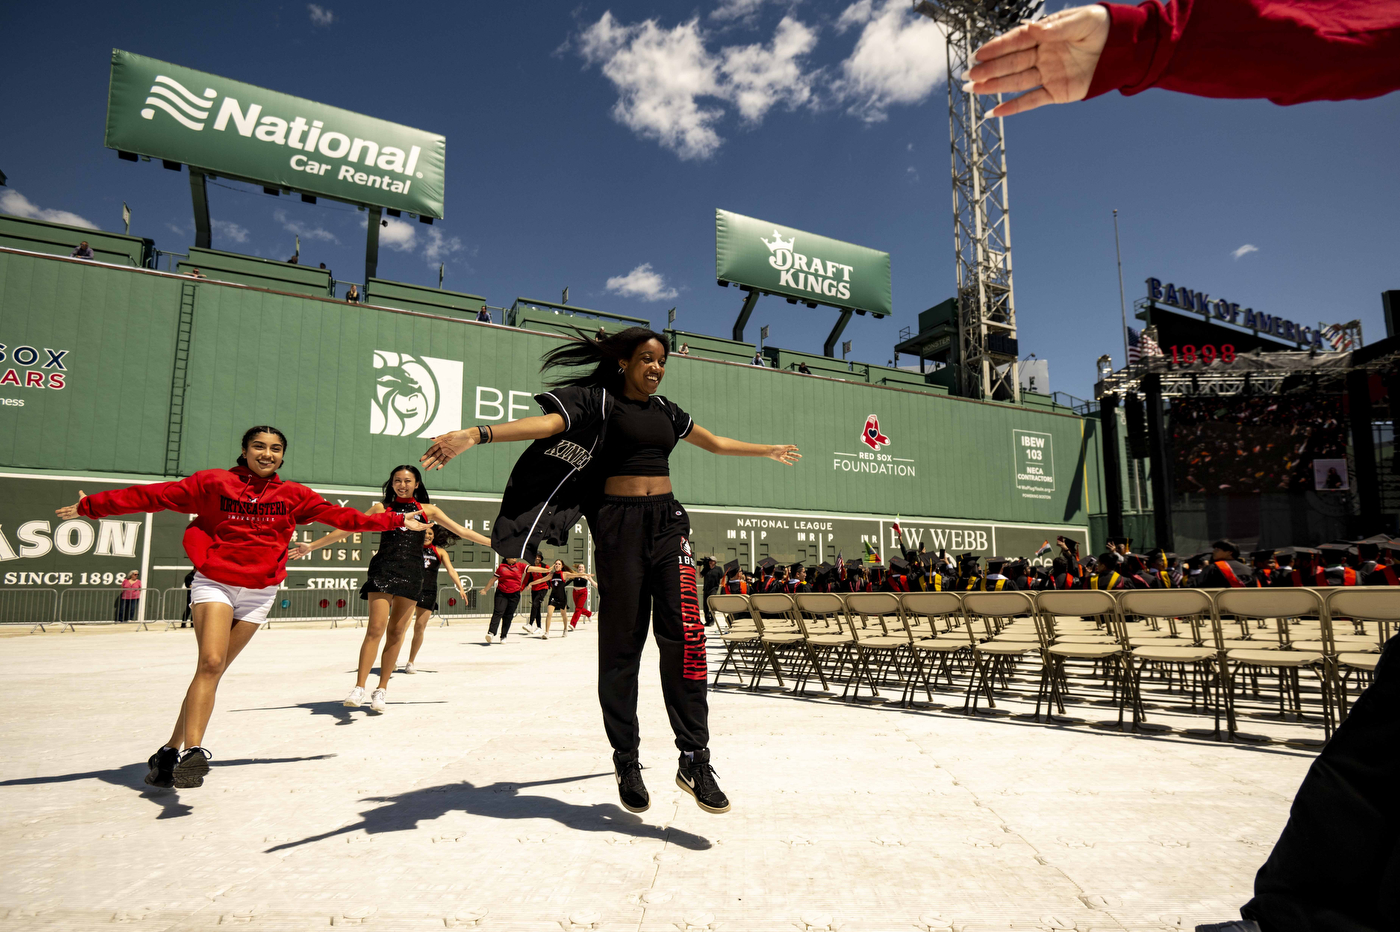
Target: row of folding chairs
(1214,644)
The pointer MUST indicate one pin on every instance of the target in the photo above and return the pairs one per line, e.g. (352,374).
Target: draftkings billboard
(243,131)
(775,259)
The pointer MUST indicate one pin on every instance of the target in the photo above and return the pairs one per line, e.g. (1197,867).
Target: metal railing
(26,606)
(312,605)
(106,606)
(451,605)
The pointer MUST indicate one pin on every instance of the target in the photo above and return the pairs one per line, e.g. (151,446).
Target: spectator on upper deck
(84,251)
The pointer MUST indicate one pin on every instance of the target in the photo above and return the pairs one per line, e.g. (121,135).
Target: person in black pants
(712,574)
(509,579)
(537,576)
(602,449)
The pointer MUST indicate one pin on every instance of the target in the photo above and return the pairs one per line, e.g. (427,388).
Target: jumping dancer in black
(395,582)
(602,449)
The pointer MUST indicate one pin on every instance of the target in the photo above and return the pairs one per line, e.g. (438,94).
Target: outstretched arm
(785,453)
(436,514)
(316,510)
(334,537)
(182,496)
(451,571)
(448,445)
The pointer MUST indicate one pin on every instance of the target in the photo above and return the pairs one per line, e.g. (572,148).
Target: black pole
(744,313)
(371,248)
(1112,484)
(1161,469)
(1363,445)
(199,195)
(829,347)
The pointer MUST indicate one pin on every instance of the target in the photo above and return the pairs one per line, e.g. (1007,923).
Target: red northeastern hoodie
(242,523)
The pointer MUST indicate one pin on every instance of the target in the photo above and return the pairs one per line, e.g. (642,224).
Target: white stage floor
(484,798)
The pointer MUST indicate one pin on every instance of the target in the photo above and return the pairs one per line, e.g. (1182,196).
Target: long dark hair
(252,432)
(419,494)
(605,356)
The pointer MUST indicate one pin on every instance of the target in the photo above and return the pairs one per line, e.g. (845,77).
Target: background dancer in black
(601,449)
(395,581)
(435,557)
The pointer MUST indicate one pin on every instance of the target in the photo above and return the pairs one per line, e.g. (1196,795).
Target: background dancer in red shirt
(395,579)
(602,449)
(508,581)
(244,519)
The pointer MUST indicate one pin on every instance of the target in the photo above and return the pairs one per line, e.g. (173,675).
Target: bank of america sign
(226,127)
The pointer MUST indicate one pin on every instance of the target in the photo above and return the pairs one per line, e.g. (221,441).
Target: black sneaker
(630,788)
(162,772)
(1234,925)
(192,767)
(697,778)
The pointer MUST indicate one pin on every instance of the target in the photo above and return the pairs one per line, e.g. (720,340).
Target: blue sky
(590,143)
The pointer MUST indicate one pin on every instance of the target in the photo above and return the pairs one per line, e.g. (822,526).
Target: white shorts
(250,605)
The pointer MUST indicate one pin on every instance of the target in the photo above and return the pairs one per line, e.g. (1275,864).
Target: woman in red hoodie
(244,520)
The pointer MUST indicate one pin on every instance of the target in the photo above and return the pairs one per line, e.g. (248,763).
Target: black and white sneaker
(697,778)
(162,763)
(1233,925)
(630,788)
(191,768)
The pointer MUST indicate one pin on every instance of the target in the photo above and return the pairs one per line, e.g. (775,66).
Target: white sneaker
(355,699)
(490,638)
(408,667)
(376,701)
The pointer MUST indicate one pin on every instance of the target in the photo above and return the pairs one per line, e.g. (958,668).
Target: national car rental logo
(188,109)
(870,435)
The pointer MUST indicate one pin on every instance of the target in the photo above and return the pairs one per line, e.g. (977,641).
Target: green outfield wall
(129,374)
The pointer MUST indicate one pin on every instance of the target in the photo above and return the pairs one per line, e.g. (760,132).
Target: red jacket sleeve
(313,509)
(1288,51)
(182,496)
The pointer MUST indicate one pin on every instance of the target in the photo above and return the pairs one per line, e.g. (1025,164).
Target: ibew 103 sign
(1221,309)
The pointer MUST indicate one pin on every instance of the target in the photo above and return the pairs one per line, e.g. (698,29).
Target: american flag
(1340,338)
(1140,346)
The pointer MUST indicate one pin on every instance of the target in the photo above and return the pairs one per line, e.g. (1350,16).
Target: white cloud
(229,230)
(320,16)
(398,235)
(899,58)
(642,283)
(440,248)
(1245,250)
(12,202)
(301,229)
(758,77)
(735,9)
(659,74)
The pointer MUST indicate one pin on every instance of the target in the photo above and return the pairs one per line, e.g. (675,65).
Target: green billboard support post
(372,245)
(199,195)
(744,313)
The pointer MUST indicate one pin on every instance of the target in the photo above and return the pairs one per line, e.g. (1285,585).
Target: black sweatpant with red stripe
(646,578)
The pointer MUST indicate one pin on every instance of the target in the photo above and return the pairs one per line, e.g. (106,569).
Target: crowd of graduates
(1374,561)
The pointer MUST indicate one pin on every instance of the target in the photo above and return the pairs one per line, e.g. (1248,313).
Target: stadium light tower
(981,213)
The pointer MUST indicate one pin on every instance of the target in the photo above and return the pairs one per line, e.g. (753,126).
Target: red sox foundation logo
(871,436)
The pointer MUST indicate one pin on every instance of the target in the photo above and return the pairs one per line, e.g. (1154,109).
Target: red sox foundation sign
(873,459)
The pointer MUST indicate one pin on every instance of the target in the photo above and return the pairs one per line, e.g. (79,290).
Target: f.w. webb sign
(243,131)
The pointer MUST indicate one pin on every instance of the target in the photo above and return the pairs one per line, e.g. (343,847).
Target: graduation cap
(731,568)
(767,563)
(899,565)
(1262,556)
(997,561)
(1337,552)
(1377,539)
(824,567)
(795,567)
(1292,551)
(853,564)
(1070,543)
(1392,545)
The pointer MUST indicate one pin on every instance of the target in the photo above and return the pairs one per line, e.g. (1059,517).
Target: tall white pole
(1122,302)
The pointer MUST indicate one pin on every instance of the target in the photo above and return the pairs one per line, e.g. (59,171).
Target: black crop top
(641,435)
